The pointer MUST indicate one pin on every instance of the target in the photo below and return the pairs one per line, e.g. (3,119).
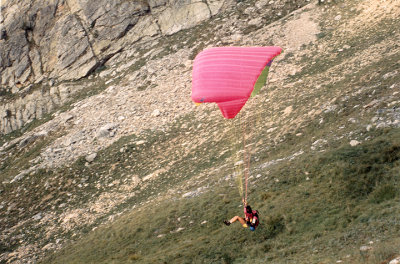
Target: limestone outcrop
(68,39)
(45,42)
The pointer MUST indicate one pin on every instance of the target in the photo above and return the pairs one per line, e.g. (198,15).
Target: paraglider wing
(229,75)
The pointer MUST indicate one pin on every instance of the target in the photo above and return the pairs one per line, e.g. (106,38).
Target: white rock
(365,248)
(236,37)
(180,229)
(381,125)
(354,143)
(352,120)
(105,73)
(249,11)
(140,142)
(67,118)
(255,22)
(318,143)
(156,113)
(338,17)
(107,130)
(14,90)
(37,216)
(149,176)
(395,261)
(19,177)
(91,157)
(238,163)
(204,222)
(48,246)
(288,110)
(69,141)
(330,108)
(188,194)
(390,74)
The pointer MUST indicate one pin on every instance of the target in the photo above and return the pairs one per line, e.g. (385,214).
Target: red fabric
(250,216)
(227,75)
(247,215)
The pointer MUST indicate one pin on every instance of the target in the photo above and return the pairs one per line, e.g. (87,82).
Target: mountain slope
(325,157)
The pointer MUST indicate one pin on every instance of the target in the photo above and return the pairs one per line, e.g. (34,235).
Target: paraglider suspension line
(246,159)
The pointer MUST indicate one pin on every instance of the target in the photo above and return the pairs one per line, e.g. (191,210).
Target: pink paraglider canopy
(229,75)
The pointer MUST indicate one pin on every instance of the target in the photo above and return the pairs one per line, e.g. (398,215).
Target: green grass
(343,204)
(19,159)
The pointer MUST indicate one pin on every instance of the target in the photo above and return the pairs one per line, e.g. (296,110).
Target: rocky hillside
(45,44)
(97,119)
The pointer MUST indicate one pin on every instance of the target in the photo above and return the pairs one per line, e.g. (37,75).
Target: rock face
(68,39)
(176,18)
(26,108)
(63,40)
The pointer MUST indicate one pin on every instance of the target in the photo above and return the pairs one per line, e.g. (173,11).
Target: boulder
(107,130)
(37,216)
(354,143)
(395,261)
(156,113)
(90,158)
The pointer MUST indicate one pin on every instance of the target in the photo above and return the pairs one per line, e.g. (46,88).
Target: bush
(274,225)
(384,193)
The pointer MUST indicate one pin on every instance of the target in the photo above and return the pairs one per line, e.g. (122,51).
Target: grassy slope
(319,207)
(343,205)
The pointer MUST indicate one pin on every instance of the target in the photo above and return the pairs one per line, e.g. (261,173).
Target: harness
(252,219)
